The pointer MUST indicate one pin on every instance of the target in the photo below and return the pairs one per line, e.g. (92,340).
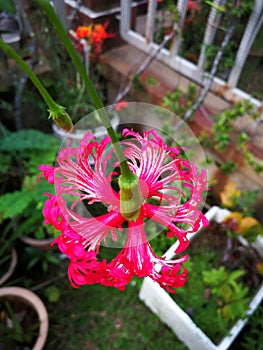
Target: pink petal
(47,173)
(137,258)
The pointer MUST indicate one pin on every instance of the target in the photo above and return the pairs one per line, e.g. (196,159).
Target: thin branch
(124,91)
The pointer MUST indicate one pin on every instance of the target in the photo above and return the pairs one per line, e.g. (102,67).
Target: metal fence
(172,57)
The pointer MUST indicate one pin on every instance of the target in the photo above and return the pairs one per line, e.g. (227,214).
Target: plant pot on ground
(29,226)
(44,243)
(32,230)
(22,200)
(8,263)
(24,319)
(188,311)
(8,254)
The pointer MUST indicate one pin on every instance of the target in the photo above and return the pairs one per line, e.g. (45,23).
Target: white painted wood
(160,303)
(175,47)
(253,26)
(150,19)
(173,316)
(210,31)
(172,58)
(258,245)
(93,14)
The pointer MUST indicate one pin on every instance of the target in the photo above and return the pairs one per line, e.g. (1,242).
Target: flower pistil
(130,196)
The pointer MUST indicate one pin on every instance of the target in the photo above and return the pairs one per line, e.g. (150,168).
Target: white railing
(196,72)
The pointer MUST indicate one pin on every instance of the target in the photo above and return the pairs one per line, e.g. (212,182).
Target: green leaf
(27,140)
(35,190)
(151,80)
(53,259)
(33,262)
(215,277)
(234,275)
(7,6)
(44,266)
(52,293)
(13,204)
(17,329)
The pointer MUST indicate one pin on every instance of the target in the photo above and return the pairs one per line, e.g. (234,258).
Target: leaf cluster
(223,125)
(245,201)
(201,309)
(7,6)
(232,296)
(26,140)
(252,337)
(223,132)
(43,257)
(240,8)
(25,207)
(178,102)
(21,205)
(22,151)
(168,16)
(229,57)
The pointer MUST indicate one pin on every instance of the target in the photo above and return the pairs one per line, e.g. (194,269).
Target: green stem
(13,54)
(57,112)
(94,96)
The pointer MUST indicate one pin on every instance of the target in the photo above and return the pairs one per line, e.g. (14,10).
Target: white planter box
(258,245)
(159,301)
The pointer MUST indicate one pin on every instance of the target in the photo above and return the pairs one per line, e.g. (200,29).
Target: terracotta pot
(33,301)
(11,268)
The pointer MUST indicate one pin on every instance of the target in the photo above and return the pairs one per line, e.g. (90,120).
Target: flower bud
(61,118)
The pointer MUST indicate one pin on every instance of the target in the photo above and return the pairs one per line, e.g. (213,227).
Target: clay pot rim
(38,243)
(11,268)
(31,299)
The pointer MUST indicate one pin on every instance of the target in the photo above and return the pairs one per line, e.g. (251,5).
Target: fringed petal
(83,172)
(137,258)
(47,173)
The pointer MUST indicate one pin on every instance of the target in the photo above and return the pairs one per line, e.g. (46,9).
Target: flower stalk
(94,96)
(57,112)
(129,184)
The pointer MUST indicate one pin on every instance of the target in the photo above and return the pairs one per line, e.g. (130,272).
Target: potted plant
(29,228)
(181,320)
(23,192)
(24,319)
(8,257)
